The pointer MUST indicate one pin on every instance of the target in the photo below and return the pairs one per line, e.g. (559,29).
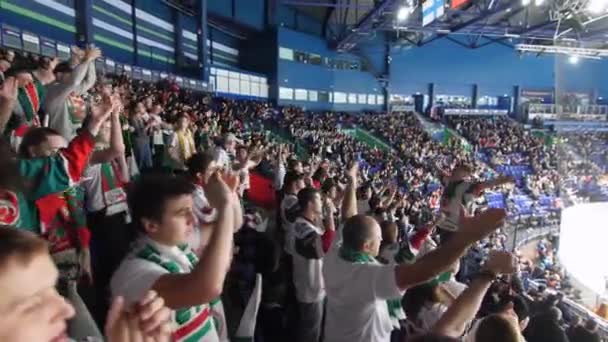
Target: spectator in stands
(162,261)
(458,197)
(141,131)
(63,103)
(181,144)
(309,239)
(32,310)
(358,286)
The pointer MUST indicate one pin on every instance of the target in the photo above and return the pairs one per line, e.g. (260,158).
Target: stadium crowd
(132,206)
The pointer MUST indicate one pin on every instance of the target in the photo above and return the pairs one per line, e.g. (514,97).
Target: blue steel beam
(326,4)
(364,25)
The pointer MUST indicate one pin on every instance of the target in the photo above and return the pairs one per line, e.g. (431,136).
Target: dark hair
(520,306)
(415,298)
(199,162)
(34,137)
(328,184)
(63,67)
(291,177)
(20,245)
(148,196)
(305,196)
(496,329)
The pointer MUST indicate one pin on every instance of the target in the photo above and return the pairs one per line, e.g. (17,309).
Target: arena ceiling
(472,24)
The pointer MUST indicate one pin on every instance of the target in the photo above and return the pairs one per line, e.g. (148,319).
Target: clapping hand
(501,262)
(92,54)
(9,90)
(483,224)
(147,321)
(219,189)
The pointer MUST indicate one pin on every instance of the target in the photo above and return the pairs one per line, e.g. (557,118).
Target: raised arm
(464,309)
(59,172)
(8,98)
(89,80)
(349,203)
(117,145)
(206,281)
(441,259)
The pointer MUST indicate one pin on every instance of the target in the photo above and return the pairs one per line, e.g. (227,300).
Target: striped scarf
(193,324)
(30,97)
(395,309)
(186,144)
(77,108)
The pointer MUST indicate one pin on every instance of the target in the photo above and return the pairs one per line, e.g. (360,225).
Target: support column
(203,33)
(474,95)
(84,22)
(517,112)
(431,94)
(178,38)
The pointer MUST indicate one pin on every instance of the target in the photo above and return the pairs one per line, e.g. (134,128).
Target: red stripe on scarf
(190,327)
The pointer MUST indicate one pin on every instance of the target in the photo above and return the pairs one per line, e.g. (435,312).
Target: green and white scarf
(395,310)
(196,323)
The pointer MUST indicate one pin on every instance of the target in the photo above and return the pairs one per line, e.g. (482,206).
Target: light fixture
(403,13)
(573,59)
(538,2)
(596,6)
(525,2)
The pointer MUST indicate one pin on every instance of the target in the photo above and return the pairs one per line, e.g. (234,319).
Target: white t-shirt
(114,200)
(455,204)
(307,262)
(135,276)
(356,299)
(204,214)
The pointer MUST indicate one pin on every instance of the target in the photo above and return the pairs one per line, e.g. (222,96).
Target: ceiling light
(508,9)
(573,59)
(539,2)
(403,13)
(525,2)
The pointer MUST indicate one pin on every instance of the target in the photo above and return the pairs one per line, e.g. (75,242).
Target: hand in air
(149,320)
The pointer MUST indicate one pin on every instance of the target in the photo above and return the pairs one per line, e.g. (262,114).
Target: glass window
(234,74)
(285,53)
(362,98)
(263,91)
(245,88)
(255,89)
(213,71)
(285,93)
(222,84)
(301,95)
(352,98)
(380,99)
(339,97)
(313,95)
(315,59)
(301,57)
(371,99)
(323,97)
(222,72)
(233,85)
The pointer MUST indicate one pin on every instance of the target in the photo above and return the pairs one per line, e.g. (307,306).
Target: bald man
(358,286)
